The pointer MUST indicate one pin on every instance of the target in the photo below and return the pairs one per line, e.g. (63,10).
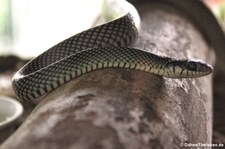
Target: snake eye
(192,66)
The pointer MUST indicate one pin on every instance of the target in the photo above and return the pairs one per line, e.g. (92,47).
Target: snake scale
(104,46)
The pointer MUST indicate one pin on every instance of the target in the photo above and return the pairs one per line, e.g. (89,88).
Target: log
(128,109)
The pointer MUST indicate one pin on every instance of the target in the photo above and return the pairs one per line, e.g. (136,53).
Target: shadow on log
(127,109)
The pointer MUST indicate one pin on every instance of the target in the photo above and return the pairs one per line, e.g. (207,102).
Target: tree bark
(128,109)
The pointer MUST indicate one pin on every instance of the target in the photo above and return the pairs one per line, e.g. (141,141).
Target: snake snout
(202,68)
(187,69)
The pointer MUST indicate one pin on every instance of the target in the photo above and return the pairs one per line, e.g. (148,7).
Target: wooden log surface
(118,108)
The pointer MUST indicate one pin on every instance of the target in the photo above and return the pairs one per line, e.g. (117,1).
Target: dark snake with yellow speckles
(104,46)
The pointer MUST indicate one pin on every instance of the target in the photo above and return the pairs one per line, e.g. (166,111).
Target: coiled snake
(104,46)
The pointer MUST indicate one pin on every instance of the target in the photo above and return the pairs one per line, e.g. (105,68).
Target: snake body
(104,46)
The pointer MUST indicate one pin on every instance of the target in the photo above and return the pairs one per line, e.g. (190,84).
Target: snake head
(187,69)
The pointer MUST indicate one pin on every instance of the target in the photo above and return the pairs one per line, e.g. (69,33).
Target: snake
(100,47)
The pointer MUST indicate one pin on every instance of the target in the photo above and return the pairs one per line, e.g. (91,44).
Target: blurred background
(28,27)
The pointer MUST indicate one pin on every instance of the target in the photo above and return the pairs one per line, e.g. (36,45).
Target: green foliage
(5,18)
